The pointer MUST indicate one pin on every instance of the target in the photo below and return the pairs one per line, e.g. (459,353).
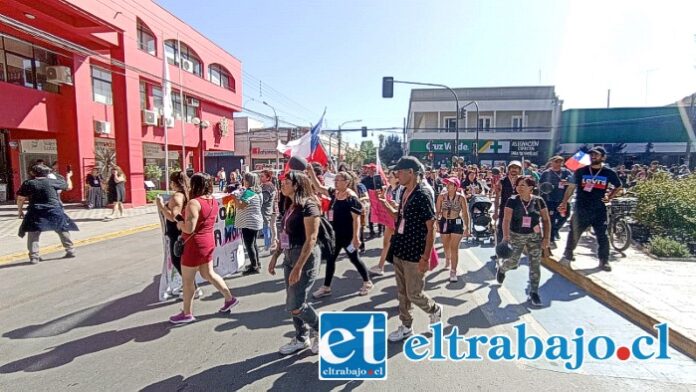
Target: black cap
(408,162)
(598,150)
(297,163)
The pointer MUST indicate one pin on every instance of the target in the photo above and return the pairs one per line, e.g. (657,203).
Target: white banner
(227,259)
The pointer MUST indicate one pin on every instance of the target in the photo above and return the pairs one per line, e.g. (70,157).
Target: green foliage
(152,172)
(391,151)
(150,196)
(104,160)
(667,247)
(668,206)
(368,150)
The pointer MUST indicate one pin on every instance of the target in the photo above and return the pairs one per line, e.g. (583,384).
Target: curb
(77,243)
(677,340)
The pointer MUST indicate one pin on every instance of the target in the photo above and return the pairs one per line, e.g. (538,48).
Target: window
(101,86)
(157,99)
(484,123)
(143,96)
(218,75)
(191,108)
(517,124)
(23,64)
(450,124)
(146,39)
(171,51)
(176,104)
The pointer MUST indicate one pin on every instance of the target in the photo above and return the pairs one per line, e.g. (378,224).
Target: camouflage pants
(533,244)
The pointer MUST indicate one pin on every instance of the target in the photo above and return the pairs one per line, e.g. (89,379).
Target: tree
(615,154)
(391,151)
(354,157)
(369,151)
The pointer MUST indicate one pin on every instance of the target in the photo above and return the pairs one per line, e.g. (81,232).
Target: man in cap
(505,188)
(592,183)
(411,245)
(368,181)
(45,211)
(559,177)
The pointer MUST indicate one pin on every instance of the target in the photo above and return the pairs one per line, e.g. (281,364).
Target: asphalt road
(93,323)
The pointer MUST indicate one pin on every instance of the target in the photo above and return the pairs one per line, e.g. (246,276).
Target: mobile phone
(69,168)
(350,248)
(378,181)
(179,218)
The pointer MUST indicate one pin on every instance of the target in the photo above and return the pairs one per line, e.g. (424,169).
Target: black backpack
(326,238)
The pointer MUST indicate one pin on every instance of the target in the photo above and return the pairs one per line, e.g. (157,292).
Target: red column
(127,125)
(75,137)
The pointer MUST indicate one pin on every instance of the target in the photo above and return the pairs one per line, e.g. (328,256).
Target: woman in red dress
(197,229)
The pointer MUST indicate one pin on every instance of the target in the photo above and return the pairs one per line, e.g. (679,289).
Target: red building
(80,78)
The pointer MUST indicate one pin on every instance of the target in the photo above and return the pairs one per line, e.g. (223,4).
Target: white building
(513,122)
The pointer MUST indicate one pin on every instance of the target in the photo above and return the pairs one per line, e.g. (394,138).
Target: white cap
(515,163)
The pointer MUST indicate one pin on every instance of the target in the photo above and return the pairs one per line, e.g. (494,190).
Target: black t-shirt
(343,211)
(556,178)
(416,211)
(596,181)
(293,224)
(533,211)
(507,190)
(93,181)
(42,192)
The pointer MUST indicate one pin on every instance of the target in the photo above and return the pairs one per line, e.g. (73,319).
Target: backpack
(326,238)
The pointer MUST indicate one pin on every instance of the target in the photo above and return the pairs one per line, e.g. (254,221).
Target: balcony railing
(491,129)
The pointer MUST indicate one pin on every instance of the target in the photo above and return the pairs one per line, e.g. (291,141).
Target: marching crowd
(310,214)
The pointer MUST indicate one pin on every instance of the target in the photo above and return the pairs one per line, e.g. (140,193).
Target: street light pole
(275,115)
(340,139)
(202,124)
(456,100)
(476,146)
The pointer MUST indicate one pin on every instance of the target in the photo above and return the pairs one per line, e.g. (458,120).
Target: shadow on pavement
(65,353)
(95,315)
(294,375)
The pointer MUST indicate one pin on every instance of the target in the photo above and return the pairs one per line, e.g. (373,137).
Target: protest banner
(228,257)
(379,213)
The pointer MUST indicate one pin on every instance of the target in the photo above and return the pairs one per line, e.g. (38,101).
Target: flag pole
(165,83)
(181,107)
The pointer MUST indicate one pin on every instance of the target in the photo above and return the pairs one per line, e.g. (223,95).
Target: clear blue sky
(333,54)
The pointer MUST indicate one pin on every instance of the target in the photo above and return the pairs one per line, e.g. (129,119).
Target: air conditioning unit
(193,102)
(102,127)
(187,65)
(150,117)
(169,121)
(59,74)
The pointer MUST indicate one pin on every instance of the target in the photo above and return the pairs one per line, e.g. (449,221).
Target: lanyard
(526,207)
(595,175)
(406,198)
(288,213)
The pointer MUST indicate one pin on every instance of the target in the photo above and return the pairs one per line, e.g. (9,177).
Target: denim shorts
(297,295)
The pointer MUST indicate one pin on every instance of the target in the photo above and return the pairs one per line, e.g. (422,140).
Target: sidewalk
(91,224)
(645,290)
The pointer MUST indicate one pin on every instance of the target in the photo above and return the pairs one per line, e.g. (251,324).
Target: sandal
(366,287)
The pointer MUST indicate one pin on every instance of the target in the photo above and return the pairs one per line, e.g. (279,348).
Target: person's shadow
(94,315)
(294,376)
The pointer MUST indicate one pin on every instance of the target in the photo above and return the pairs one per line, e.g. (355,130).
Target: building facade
(512,122)
(81,80)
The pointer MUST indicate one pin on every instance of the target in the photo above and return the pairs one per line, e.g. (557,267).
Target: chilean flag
(580,159)
(307,146)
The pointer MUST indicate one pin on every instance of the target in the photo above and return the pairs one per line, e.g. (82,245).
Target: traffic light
(387,87)
(364,131)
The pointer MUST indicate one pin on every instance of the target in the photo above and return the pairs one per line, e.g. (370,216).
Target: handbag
(178,248)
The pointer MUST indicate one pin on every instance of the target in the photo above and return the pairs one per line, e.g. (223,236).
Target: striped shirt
(250,217)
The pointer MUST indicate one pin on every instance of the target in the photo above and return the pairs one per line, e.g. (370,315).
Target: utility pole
(275,116)
(340,138)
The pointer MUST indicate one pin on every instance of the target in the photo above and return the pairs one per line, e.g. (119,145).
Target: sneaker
(228,305)
(366,287)
(294,346)
(251,271)
(69,254)
(400,334)
(500,275)
(453,277)
(182,318)
(315,343)
(436,316)
(34,260)
(376,270)
(198,293)
(564,261)
(605,266)
(534,299)
(323,291)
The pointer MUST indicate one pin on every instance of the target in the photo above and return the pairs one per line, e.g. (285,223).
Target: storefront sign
(108,144)
(440,146)
(219,154)
(529,148)
(43,146)
(156,151)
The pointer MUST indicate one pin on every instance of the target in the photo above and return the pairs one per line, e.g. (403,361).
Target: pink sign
(379,213)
